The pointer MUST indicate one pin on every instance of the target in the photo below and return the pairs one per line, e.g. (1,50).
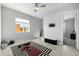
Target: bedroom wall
(53,33)
(70,26)
(55,16)
(8,25)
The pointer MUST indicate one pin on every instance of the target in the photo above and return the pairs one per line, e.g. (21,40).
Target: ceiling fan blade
(42,6)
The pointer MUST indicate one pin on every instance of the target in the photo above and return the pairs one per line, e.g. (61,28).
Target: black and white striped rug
(44,50)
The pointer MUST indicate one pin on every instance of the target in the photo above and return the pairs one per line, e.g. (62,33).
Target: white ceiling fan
(39,5)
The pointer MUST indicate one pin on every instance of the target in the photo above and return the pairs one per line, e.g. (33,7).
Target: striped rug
(44,50)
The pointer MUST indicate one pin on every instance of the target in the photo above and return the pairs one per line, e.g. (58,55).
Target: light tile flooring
(60,50)
(65,51)
(68,41)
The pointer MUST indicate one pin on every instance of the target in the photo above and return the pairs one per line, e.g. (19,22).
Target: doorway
(69,33)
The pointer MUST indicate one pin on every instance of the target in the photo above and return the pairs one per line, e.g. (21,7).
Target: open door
(69,28)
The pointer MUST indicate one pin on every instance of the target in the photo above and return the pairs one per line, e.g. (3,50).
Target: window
(22,25)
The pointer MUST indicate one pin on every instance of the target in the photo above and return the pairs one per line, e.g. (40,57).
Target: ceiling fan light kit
(37,6)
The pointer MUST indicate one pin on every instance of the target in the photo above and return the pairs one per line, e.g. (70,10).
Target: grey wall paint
(8,25)
(70,26)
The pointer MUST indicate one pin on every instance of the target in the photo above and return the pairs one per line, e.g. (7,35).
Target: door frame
(75,16)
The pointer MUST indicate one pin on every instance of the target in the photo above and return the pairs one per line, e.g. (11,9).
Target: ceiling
(28,8)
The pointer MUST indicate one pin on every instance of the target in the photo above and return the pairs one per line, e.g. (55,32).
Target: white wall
(53,33)
(56,17)
(8,25)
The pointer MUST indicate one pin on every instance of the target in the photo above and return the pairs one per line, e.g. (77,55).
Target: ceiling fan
(38,5)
